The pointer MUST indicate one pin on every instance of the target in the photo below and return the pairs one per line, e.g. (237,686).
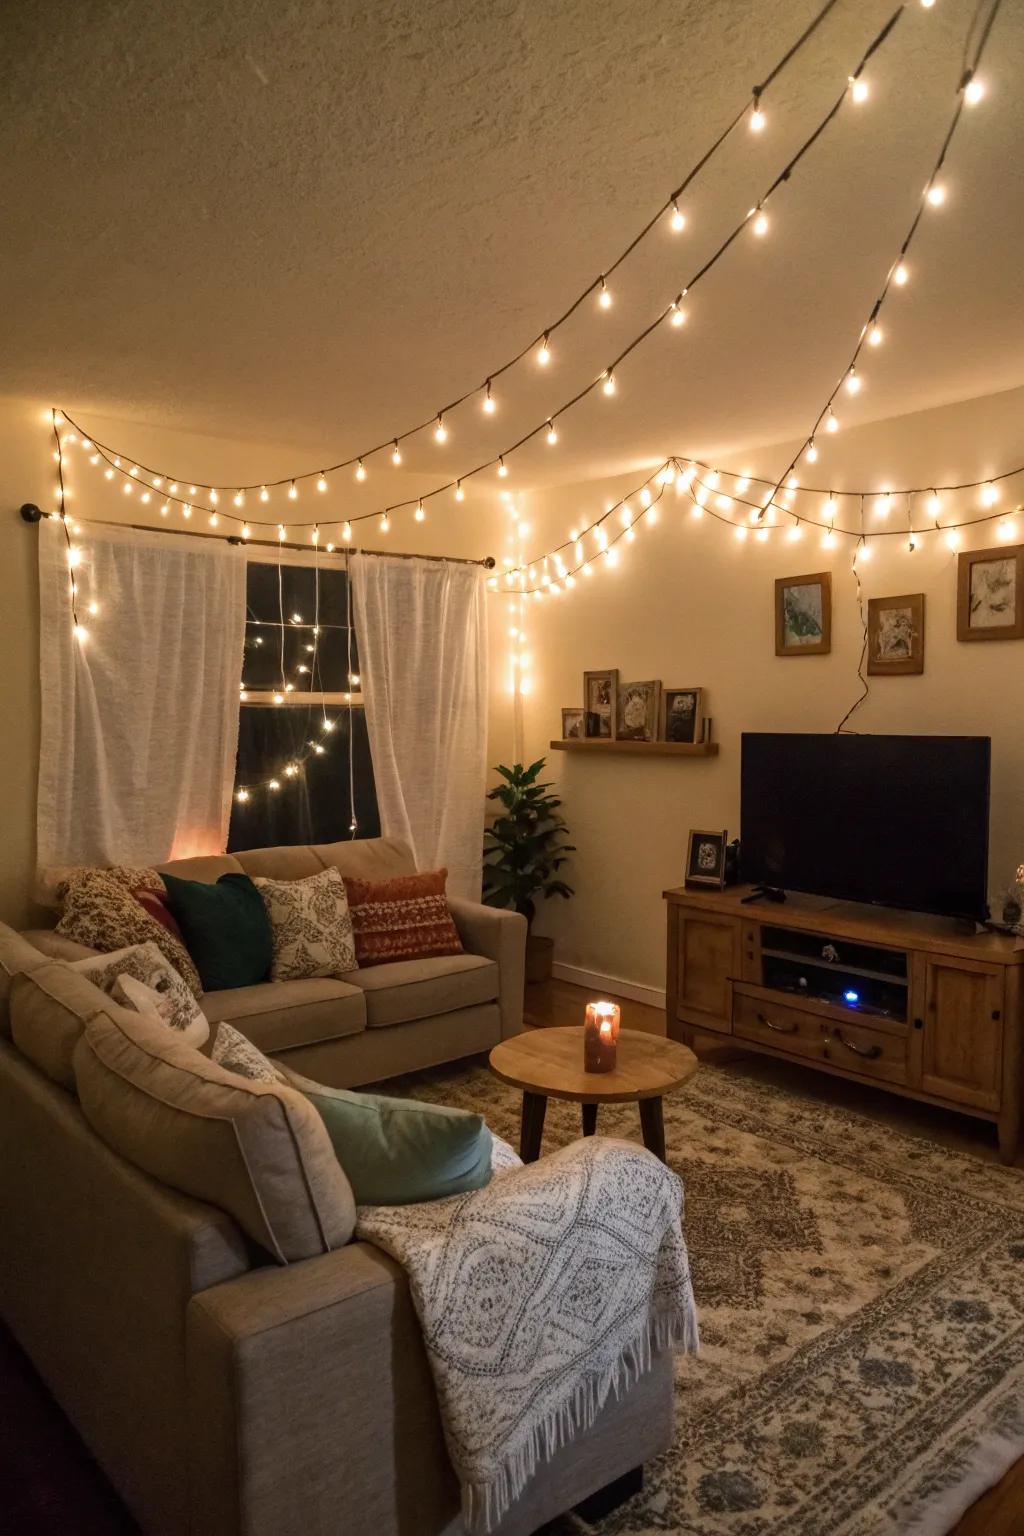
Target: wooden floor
(1000,1512)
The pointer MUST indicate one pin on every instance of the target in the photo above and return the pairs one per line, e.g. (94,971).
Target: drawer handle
(780,1029)
(870,1052)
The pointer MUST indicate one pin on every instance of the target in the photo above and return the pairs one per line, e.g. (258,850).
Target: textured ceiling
(313,222)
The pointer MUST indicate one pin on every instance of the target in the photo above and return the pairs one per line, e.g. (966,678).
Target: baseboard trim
(612,984)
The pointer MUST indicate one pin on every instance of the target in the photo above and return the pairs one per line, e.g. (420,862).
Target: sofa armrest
(499,936)
(314,1404)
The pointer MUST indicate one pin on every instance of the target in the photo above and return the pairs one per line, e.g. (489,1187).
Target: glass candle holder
(601,1037)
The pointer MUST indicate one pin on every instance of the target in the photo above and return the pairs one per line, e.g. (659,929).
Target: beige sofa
(372,1023)
(223,1394)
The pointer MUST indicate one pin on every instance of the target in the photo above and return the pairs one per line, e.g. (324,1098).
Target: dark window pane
(314,806)
(306,598)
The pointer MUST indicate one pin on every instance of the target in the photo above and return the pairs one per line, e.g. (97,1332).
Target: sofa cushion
(400,1151)
(50,1007)
(288,863)
(16,955)
(404,918)
(280,1014)
(256,1150)
(207,867)
(226,928)
(168,993)
(101,912)
(311,926)
(367,858)
(418,989)
(57,946)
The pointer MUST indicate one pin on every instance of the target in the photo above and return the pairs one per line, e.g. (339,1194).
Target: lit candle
(601,1037)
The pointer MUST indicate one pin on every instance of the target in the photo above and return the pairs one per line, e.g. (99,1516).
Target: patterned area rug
(861,1301)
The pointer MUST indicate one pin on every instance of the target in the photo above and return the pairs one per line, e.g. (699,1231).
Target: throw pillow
(145,964)
(122,874)
(399,1151)
(155,903)
(226,928)
(311,925)
(103,913)
(235,1053)
(405,918)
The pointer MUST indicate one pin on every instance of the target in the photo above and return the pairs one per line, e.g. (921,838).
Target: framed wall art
(990,594)
(896,635)
(600,703)
(803,615)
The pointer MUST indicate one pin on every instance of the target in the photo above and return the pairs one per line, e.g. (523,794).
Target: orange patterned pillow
(406,918)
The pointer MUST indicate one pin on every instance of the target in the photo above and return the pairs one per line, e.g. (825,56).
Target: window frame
(272,698)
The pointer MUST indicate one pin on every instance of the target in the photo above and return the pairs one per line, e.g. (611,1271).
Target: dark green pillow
(226,929)
(400,1151)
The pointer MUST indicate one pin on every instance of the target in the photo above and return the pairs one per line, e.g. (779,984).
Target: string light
(936,195)
(460,494)
(760,225)
(757,116)
(490,405)
(321,484)
(552,435)
(396,453)
(974,90)
(875,336)
(420,513)
(604,297)
(293,494)
(441,431)
(678,219)
(901,275)
(360,470)
(502,466)
(859,89)
(544,352)
(609,383)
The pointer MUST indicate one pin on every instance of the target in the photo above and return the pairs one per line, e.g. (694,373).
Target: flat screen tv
(897,820)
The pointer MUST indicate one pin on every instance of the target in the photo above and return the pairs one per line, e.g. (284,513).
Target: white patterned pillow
(235,1053)
(311,925)
(145,964)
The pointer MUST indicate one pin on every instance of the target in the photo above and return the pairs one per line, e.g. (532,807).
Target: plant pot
(539,956)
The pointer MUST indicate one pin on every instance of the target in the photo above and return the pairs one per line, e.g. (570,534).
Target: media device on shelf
(899,821)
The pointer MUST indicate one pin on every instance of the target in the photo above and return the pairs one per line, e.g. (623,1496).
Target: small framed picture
(803,615)
(572,724)
(600,703)
(896,635)
(639,712)
(682,714)
(990,594)
(705,859)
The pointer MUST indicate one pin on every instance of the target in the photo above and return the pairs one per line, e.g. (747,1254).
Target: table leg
(652,1125)
(532,1127)
(589,1118)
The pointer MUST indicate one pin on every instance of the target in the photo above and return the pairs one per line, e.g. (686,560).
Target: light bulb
(1006,530)
(740,533)
(385,523)
(742,484)
(346,532)
(173,487)
(811,452)
(242,794)
(934,504)
(937,195)
(420,513)
(245,530)
(953,539)
(127,488)
(853,382)
(626,515)
(883,505)
(604,297)
(145,497)
(489,402)
(214,519)
(678,219)
(830,508)
(186,511)
(973,92)
(293,494)
(796,532)
(611,556)
(274,784)
(360,470)
(677,314)
(757,117)
(94,609)
(864,551)
(81,633)
(440,431)
(609,383)
(927,4)
(989,495)
(214,498)
(321,483)
(875,335)
(264,493)
(645,497)
(859,89)
(828,540)
(502,467)
(108,474)
(760,225)
(460,494)
(544,352)
(901,275)
(165,509)
(832,425)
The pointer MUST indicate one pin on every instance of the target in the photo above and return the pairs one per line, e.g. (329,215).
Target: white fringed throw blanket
(538,1297)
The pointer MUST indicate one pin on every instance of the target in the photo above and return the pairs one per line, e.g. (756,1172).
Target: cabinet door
(962,1045)
(707,954)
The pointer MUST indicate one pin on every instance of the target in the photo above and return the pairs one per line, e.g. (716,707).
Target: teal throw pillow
(226,929)
(400,1151)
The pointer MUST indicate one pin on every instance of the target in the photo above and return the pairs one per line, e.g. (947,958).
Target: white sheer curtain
(422,628)
(139,718)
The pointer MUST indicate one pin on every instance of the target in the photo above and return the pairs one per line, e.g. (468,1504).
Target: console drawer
(863,1048)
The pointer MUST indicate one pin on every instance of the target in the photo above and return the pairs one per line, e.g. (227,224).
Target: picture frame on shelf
(682,714)
(600,704)
(803,615)
(705,861)
(896,635)
(990,593)
(573,721)
(639,711)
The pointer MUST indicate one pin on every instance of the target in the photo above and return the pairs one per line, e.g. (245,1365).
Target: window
(301,710)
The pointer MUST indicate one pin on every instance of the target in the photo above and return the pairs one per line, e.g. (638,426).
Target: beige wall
(690,605)
(27,474)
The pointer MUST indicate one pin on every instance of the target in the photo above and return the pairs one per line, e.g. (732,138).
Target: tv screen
(897,820)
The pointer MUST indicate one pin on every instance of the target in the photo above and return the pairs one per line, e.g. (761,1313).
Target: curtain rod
(30,513)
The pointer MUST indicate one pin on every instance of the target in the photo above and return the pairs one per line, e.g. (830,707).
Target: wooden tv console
(943,1023)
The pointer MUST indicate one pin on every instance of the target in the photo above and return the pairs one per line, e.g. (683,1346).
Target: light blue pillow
(401,1151)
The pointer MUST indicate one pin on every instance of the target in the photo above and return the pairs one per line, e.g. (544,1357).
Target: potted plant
(524,848)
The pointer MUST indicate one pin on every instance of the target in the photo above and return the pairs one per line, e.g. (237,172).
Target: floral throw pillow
(122,973)
(311,925)
(102,912)
(235,1053)
(405,918)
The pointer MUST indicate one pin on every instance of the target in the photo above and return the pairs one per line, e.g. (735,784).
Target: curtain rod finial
(489,563)
(31,513)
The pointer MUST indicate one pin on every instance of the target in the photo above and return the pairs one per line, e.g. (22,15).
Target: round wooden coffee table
(548,1064)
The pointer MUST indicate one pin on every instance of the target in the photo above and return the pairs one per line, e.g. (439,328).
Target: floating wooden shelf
(652,748)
